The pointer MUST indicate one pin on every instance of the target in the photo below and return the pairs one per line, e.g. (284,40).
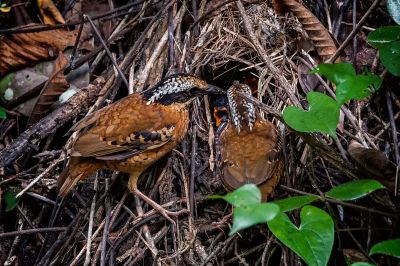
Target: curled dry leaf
(319,35)
(373,163)
(23,49)
(55,86)
(354,255)
(49,12)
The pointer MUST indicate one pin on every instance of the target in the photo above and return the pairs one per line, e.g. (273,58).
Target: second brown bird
(248,147)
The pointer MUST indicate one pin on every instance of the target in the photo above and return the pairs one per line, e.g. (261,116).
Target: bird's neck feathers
(174,90)
(243,114)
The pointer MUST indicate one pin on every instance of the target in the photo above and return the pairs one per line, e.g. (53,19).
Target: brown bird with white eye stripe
(133,133)
(248,147)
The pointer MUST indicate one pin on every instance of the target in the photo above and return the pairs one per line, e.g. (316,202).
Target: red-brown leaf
(319,35)
(24,49)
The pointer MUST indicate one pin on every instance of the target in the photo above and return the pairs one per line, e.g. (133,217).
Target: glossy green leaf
(11,200)
(390,57)
(293,203)
(393,7)
(358,87)
(312,241)
(354,189)
(246,216)
(388,247)
(362,264)
(387,40)
(322,116)
(243,196)
(336,73)
(384,35)
(3,113)
(349,85)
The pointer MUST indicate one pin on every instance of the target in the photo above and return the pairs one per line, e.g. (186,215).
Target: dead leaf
(279,7)
(56,85)
(23,49)
(49,12)
(354,255)
(373,163)
(323,42)
(23,82)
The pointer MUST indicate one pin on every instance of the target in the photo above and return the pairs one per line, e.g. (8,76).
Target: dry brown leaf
(55,86)
(373,163)
(49,12)
(279,7)
(354,255)
(28,48)
(320,36)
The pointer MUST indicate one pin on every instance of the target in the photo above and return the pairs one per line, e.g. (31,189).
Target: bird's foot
(167,214)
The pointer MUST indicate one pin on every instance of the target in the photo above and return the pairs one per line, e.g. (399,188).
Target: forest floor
(100,222)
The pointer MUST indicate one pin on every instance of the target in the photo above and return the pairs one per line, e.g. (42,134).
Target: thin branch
(103,43)
(33,231)
(347,204)
(353,32)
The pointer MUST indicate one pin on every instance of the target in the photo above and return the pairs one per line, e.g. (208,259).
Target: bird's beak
(214,89)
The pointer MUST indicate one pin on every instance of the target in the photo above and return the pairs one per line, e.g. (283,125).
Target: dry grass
(222,52)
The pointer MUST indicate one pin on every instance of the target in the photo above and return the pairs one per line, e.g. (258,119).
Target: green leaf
(354,189)
(362,264)
(293,203)
(243,196)
(11,200)
(384,35)
(387,40)
(349,85)
(393,7)
(3,113)
(246,216)
(388,247)
(322,116)
(6,81)
(390,57)
(336,73)
(358,87)
(312,241)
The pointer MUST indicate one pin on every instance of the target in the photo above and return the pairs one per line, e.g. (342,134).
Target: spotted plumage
(174,87)
(241,111)
(248,147)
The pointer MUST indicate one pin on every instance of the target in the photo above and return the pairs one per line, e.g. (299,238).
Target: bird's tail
(78,169)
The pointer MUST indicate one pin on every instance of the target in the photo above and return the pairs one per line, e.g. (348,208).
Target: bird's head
(221,112)
(242,111)
(179,88)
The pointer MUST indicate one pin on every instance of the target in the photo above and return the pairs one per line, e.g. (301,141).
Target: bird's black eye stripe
(194,91)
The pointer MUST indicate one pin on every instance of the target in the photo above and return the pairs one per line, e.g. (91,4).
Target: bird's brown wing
(126,128)
(108,148)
